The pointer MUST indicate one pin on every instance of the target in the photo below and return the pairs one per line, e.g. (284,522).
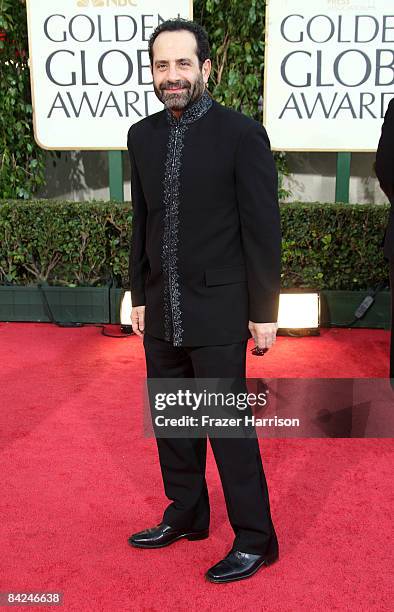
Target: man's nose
(173,73)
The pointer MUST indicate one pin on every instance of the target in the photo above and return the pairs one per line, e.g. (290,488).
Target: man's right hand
(138,320)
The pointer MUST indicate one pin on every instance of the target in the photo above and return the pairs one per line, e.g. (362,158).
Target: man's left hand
(264,334)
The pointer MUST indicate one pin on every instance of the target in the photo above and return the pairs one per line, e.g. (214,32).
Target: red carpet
(78,478)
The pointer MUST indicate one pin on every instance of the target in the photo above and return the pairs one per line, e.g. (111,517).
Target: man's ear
(206,70)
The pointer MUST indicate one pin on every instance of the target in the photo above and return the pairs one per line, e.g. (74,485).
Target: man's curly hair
(178,24)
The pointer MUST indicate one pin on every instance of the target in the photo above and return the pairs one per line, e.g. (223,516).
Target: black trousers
(238,460)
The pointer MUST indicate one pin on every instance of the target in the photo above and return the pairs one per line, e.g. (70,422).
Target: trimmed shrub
(325,246)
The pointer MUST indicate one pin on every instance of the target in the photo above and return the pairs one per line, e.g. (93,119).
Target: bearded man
(205,278)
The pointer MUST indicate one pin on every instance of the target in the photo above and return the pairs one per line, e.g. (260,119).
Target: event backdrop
(90,70)
(329,73)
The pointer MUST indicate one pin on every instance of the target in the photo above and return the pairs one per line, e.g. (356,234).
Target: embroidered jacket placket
(172,295)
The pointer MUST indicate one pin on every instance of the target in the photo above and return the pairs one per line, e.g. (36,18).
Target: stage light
(125,313)
(299,313)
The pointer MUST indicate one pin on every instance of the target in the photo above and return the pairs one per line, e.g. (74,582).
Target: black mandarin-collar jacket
(205,243)
(385,172)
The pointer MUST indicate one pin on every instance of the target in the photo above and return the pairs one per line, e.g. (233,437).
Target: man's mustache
(175,86)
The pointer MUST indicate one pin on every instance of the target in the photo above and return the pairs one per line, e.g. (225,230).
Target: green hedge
(333,246)
(63,243)
(325,246)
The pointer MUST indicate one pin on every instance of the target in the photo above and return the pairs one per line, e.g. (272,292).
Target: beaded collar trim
(171,185)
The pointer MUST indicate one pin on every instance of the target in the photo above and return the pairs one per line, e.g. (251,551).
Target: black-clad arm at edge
(384,165)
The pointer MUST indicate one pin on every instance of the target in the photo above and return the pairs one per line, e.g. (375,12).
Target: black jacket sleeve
(138,261)
(385,154)
(257,195)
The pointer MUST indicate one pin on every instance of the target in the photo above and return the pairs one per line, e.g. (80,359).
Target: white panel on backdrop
(90,70)
(329,73)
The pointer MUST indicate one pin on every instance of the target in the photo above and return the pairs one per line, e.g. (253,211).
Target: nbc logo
(103,3)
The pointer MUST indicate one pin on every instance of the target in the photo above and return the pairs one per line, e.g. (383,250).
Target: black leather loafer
(238,565)
(162,535)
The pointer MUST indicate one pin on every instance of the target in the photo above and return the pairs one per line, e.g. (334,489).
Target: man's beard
(180,100)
